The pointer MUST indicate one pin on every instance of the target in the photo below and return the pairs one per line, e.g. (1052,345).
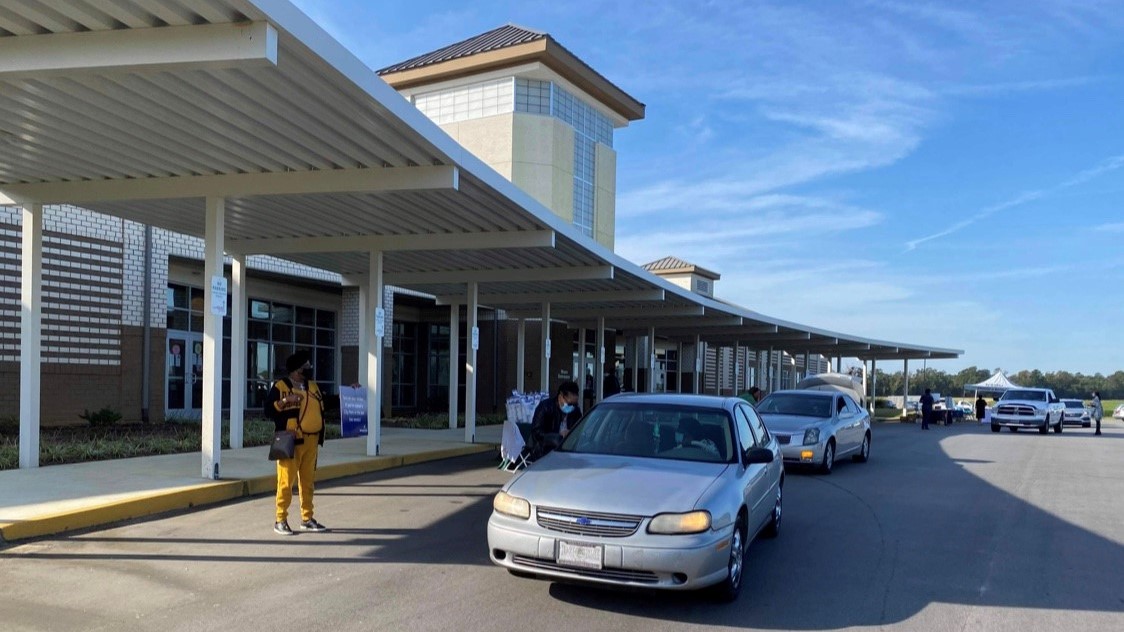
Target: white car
(1119,412)
(1076,413)
(817,427)
(652,491)
(1029,408)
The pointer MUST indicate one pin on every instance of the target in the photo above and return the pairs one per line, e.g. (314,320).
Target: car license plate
(580,555)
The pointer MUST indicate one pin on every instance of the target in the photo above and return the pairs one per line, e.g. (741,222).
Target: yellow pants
(303,467)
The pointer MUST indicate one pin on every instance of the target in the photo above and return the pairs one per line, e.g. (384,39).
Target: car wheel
(1058,428)
(1045,427)
(995,428)
(773,529)
(828,458)
(728,589)
(864,450)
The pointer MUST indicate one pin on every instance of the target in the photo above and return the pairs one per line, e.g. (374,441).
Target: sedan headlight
(811,436)
(682,523)
(510,505)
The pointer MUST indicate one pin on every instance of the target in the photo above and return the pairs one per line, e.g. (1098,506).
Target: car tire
(995,428)
(1045,427)
(864,450)
(828,462)
(773,529)
(1058,428)
(729,588)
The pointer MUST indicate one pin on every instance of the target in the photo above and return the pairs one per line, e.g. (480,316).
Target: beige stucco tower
(534,112)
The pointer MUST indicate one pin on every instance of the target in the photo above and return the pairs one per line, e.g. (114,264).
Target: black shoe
(282,528)
(312,525)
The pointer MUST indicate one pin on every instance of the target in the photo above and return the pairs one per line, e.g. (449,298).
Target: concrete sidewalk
(57,498)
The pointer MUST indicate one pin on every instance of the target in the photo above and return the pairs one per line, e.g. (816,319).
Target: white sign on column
(475,338)
(548,348)
(218,295)
(380,322)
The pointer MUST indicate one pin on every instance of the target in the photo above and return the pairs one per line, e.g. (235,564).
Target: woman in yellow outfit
(295,404)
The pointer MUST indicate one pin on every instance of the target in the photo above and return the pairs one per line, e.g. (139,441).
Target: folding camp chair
(513,447)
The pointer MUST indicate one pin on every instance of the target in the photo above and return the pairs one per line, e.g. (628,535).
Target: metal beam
(744,331)
(560,297)
(506,275)
(169,48)
(368,180)
(394,243)
(638,313)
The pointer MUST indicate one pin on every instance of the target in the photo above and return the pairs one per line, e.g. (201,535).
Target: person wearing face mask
(296,404)
(554,418)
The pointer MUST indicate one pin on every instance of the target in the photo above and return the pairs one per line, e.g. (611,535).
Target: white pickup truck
(1028,408)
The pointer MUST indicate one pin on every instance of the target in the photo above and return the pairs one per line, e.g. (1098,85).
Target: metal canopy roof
(142,108)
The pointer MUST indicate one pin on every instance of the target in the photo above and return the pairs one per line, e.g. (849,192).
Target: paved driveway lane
(954,529)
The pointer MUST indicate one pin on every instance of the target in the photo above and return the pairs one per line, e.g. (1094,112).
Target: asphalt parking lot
(952,529)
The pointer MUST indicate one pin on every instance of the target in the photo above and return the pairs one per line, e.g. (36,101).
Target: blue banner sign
(353,411)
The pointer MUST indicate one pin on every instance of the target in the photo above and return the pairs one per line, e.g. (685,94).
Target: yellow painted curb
(181,498)
(207,494)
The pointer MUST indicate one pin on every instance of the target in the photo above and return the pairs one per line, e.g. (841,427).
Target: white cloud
(1105,166)
(1115,227)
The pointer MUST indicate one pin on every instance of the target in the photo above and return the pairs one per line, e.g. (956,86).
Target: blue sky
(940,173)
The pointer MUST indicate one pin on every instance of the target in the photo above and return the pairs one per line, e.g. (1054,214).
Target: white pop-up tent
(994,384)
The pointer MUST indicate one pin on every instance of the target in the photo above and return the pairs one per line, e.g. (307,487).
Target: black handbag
(283,446)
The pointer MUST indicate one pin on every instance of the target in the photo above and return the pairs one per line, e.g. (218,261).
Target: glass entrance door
(184,374)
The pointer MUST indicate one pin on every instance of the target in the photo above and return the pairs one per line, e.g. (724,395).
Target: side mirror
(758,455)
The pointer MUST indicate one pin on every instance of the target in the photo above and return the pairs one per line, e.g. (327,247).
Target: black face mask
(306,373)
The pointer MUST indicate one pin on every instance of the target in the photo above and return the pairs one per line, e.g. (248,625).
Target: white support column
(873,381)
(366,330)
(473,341)
(544,355)
(905,383)
(237,349)
(775,383)
(866,392)
(374,352)
(599,361)
(696,377)
(520,354)
(651,360)
(635,381)
(737,368)
(679,368)
(31,324)
(212,335)
(454,363)
(579,377)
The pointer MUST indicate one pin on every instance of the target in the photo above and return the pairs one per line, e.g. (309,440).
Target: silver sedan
(652,491)
(816,428)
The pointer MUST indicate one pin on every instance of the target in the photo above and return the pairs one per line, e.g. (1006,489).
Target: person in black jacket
(296,404)
(981,408)
(926,409)
(554,418)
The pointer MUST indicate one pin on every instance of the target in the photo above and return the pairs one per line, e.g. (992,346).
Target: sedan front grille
(611,574)
(589,523)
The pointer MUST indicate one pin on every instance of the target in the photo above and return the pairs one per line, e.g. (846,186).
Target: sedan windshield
(658,431)
(1032,396)
(803,404)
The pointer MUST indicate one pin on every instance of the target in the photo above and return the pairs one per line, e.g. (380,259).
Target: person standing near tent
(1098,410)
(926,409)
(981,408)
